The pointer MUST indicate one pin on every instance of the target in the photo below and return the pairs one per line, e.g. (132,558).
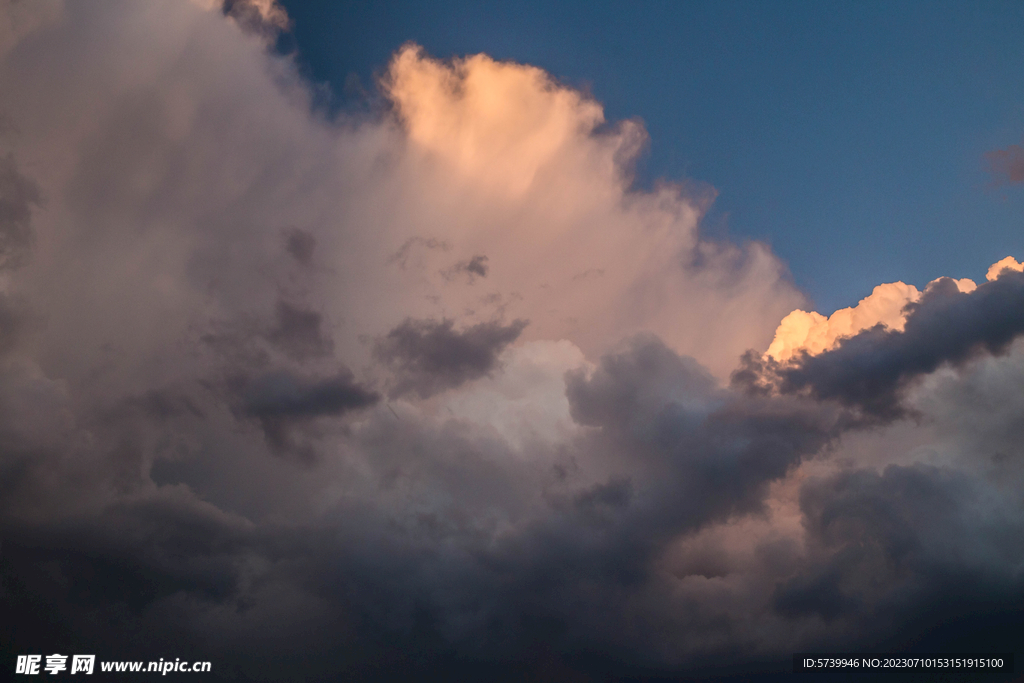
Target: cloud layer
(436,392)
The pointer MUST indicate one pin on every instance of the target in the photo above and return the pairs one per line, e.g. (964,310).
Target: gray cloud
(301,245)
(461,557)
(708,453)
(470,269)
(280,400)
(477,266)
(284,395)
(430,356)
(298,332)
(911,553)
(11,323)
(18,195)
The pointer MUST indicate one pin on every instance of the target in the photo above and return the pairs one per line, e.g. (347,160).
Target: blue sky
(849,136)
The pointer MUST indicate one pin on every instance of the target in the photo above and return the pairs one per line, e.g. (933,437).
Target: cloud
(1007,165)
(20,19)
(279,400)
(470,268)
(281,395)
(710,451)
(199,332)
(1008,263)
(298,331)
(937,537)
(813,333)
(429,356)
(18,195)
(947,325)
(301,245)
(265,18)
(547,151)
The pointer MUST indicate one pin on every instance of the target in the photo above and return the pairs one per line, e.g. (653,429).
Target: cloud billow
(931,533)
(872,368)
(205,318)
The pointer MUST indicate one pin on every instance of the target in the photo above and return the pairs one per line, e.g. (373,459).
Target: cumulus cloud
(544,197)
(1008,263)
(871,368)
(813,333)
(216,286)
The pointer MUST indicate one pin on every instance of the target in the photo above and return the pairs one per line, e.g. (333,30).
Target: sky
(373,343)
(852,129)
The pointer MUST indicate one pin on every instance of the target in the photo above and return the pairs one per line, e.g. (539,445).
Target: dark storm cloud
(18,195)
(280,401)
(1007,165)
(501,569)
(110,580)
(137,551)
(871,369)
(709,452)
(430,356)
(439,578)
(900,553)
(285,395)
(679,454)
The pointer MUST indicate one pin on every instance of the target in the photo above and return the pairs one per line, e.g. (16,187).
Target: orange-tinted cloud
(504,162)
(1008,263)
(814,333)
